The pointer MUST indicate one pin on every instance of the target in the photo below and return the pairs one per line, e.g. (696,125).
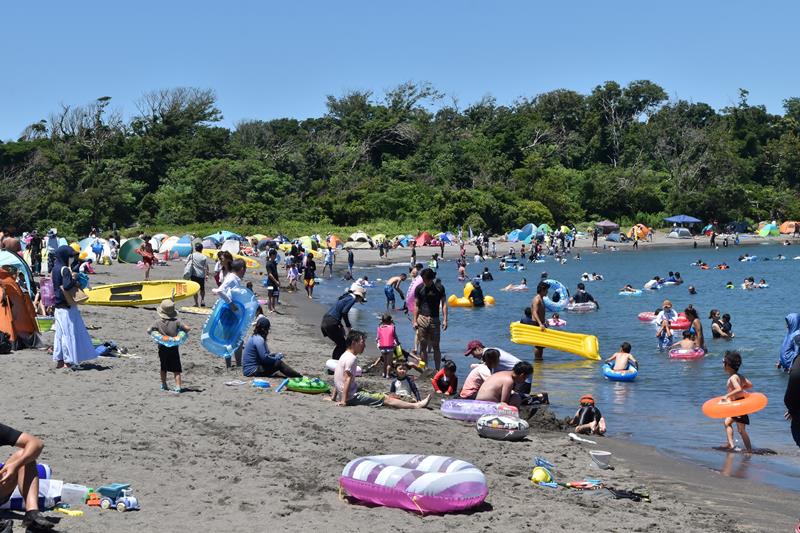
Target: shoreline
(232,457)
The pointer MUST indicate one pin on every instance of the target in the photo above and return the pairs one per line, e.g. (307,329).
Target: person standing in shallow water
(538,314)
(429,298)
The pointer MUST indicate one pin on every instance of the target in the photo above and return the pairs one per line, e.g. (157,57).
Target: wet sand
(235,458)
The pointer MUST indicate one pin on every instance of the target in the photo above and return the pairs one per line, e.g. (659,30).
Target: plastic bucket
(601,458)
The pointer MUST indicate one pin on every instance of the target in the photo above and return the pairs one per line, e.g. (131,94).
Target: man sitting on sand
(499,387)
(20,472)
(344,378)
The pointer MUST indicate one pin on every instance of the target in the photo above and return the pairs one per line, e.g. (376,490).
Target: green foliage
(403,162)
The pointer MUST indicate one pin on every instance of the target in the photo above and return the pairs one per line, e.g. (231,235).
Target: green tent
(127,252)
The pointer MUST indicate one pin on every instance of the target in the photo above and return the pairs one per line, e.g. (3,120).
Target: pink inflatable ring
(424,483)
(697,353)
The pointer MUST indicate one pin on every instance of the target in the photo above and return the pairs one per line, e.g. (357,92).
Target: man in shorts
(21,473)
(392,286)
(345,390)
(274,284)
(197,264)
(429,297)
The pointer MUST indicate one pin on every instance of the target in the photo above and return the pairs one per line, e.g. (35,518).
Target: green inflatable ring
(308,385)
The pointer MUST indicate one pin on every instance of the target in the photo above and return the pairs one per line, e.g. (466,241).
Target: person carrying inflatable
(736,385)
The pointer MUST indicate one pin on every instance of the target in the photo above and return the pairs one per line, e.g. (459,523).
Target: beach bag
(75,295)
(188,269)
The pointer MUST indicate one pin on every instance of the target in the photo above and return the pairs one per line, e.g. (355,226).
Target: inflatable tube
(563,296)
(637,292)
(452,301)
(586,307)
(330,365)
(746,260)
(751,403)
(472,410)
(308,385)
(560,323)
(166,340)
(411,302)
(697,353)
(500,427)
(226,327)
(584,345)
(681,322)
(613,375)
(420,483)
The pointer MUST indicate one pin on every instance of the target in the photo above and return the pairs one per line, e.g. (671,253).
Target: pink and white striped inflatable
(423,483)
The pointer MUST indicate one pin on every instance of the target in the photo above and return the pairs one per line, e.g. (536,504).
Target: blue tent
(13,260)
(613,236)
(526,231)
(513,236)
(223,235)
(183,247)
(682,219)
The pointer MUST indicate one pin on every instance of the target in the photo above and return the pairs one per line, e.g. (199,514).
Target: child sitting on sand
(168,324)
(736,385)
(292,275)
(588,419)
(403,386)
(623,358)
(445,381)
(687,343)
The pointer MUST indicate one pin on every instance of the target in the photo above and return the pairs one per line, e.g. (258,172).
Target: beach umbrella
(682,219)
(606,226)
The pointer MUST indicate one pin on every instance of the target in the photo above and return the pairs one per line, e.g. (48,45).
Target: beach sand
(233,458)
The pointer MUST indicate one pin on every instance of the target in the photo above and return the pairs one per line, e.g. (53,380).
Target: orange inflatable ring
(751,403)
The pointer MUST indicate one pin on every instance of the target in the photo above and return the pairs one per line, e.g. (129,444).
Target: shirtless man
(622,358)
(499,387)
(392,286)
(538,314)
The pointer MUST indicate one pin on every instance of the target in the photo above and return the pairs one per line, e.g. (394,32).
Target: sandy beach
(233,458)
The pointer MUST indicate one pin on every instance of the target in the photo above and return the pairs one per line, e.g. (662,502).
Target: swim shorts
(428,330)
(744,419)
(388,290)
(367,399)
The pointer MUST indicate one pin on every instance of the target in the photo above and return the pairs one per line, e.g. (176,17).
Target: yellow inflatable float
(249,261)
(584,345)
(454,301)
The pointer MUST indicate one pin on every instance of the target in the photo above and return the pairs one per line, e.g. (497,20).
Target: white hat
(358,290)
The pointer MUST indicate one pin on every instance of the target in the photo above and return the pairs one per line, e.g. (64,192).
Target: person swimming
(729,285)
(523,286)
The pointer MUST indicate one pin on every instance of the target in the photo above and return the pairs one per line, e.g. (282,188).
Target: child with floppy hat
(168,324)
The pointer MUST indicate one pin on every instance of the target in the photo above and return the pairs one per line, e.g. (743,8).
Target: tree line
(409,156)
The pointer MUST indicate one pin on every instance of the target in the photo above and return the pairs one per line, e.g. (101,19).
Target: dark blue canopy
(681,219)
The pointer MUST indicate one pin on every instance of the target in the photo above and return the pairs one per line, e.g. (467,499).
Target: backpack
(5,343)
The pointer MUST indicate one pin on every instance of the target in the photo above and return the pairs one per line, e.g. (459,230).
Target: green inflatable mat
(308,385)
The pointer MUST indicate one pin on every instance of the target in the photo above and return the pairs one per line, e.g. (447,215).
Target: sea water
(662,407)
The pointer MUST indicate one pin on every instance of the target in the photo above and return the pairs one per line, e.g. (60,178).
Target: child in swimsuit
(687,343)
(588,419)
(623,358)
(445,381)
(736,385)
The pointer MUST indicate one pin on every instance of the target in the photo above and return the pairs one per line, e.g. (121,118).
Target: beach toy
(577,343)
(261,383)
(472,410)
(308,385)
(559,323)
(586,307)
(282,385)
(227,326)
(464,301)
(560,303)
(677,353)
(540,474)
(68,512)
(45,322)
(422,483)
(750,403)
(635,292)
(614,375)
(601,458)
(166,340)
(330,365)
(141,292)
(502,427)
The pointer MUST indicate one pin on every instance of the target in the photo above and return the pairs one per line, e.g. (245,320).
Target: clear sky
(280,59)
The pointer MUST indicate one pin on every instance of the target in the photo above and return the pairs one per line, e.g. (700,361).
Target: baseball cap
(472,345)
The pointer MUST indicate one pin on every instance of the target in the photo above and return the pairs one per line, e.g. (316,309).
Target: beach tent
(379,238)
(256,238)
(358,240)
(402,240)
(17,315)
(640,230)
(183,247)
(231,245)
(210,244)
(737,227)
(127,252)
(446,237)
(83,243)
(423,239)
(613,236)
(223,235)
(708,230)
(680,233)
(790,226)
(14,261)
(526,231)
(768,229)
(335,242)
(682,219)
(513,236)
(606,226)
(166,246)
(543,229)
(308,243)
(87,248)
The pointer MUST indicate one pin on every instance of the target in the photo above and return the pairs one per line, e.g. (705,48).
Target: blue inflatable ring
(563,296)
(637,292)
(611,375)
(166,340)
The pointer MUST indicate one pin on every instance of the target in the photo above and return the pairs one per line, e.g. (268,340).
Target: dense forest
(409,159)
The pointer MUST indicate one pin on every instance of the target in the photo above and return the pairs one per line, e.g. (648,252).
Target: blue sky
(268,59)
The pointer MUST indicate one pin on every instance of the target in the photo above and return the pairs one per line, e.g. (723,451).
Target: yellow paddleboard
(249,261)
(141,293)
(584,345)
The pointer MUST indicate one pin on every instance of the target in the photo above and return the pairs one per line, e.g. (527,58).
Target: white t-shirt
(507,361)
(231,281)
(348,362)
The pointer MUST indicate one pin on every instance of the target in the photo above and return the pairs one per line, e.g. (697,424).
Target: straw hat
(166,309)
(358,290)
